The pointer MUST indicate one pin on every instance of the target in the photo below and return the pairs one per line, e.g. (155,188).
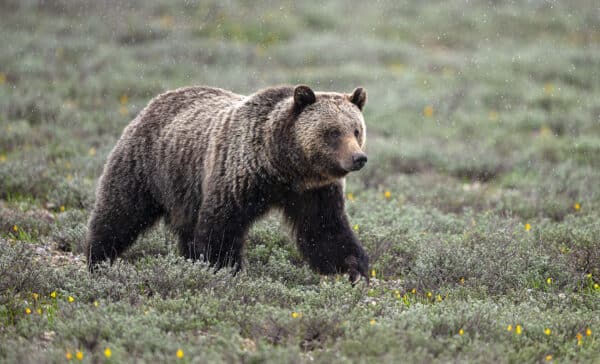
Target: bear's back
(184,105)
(175,119)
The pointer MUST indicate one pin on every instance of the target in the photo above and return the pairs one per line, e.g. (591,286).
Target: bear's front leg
(323,233)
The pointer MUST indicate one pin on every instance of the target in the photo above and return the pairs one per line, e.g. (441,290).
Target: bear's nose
(358,161)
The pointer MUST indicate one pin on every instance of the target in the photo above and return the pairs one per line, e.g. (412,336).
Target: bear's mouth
(339,171)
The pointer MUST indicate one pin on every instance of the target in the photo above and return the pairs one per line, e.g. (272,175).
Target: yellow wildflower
(71,299)
(509,328)
(166,21)
(596,286)
(53,294)
(372,322)
(350,196)
(179,354)
(124,99)
(296,314)
(396,68)
(429,294)
(462,280)
(428,111)
(92,152)
(545,131)
(15,228)
(438,298)
(68,355)
(62,208)
(27,310)
(387,194)
(2,158)
(107,352)
(413,291)
(79,355)
(579,336)
(549,280)
(576,206)
(447,72)
(35,296)
(548,357)
(373,273)
(96,304)
(461,332)
(39,311)
(518,329)
(548,89)
(527,227)
(547,331)
(355,227)
(588,332)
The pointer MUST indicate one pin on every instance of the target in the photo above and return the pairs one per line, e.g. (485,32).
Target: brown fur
(212,162)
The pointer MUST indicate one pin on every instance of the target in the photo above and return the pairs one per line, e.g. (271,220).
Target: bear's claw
(357,268)
(355,278)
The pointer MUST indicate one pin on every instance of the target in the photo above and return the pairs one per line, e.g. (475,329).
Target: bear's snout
(358,161)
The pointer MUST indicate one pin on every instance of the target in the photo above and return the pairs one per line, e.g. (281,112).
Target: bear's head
(330,131)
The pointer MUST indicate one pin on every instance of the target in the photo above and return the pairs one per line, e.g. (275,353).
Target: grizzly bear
(211,162)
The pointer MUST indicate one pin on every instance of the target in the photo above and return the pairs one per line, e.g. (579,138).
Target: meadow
(479,207)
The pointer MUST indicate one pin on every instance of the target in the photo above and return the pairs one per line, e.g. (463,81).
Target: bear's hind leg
(116,223)
(186,239)
(220,243)
(221,229)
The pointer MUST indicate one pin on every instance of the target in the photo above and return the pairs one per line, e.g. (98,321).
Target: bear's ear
(359,97)
(303,96)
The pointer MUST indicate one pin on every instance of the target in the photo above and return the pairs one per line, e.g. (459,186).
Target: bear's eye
(356,133)
(334,133)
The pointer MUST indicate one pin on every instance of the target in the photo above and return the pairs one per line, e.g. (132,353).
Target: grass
(480,205)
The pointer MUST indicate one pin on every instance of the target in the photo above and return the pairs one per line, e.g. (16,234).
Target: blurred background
(483,181)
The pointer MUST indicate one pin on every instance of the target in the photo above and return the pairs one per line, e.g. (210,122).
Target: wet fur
(211,163)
